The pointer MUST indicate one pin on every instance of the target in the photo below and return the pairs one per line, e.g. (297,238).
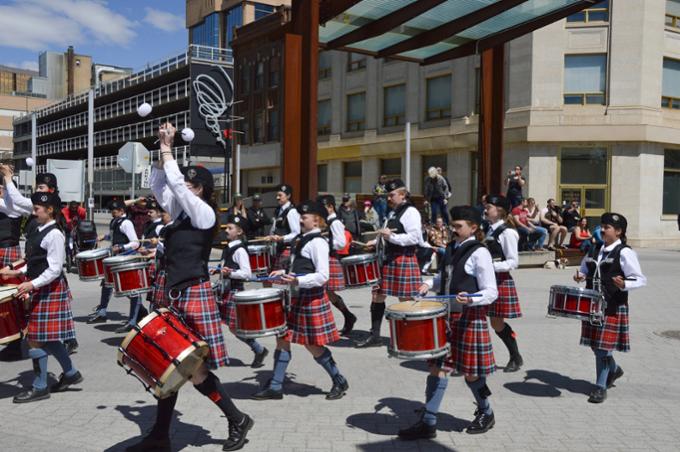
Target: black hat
(238,220)
(498,201)
(346,197)
(152,204)
(287,189)
(257,197)
(46,199)
(466,213)
(395,184)
(116,204)
(48,179)
(199,175)
(615,219)
(314,207)
(327,200)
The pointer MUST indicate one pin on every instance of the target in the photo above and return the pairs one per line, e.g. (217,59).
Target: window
(670,93)
(579,166)
(355,62)
(274,71)
(245,78)
(356,112)
(258,128)
(437,161)
(273,125)
(671,182)
(394,105)
(232,20)
(673,13)
(325,61)
(585,79)
(207,33)
(351,177)
(438,98)
(322,177)
(262,10)
(391,168)
(599,12)
(324,115)
(259,75)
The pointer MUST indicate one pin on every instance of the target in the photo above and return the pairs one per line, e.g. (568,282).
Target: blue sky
(126,33)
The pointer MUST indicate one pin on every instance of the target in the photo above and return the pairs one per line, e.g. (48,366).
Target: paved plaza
(542,407)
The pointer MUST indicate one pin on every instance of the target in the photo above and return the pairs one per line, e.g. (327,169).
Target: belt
(175,292)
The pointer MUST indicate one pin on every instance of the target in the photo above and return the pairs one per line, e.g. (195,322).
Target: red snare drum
(260,312)
(111,262)
(162,352)
(131,278)
(577,303)
(90,264)
(14,280)
(260,259)
(417,330)
(361,270)
(12,315)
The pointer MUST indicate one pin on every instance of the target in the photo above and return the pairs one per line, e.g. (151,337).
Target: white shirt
(7,206)
(629,265)
(53,243)
(338,231)
(18,203)
(172,194)
(317,251)
(127,228)
(412,226)
(241,258)
(509,240)
(479,265)
(293,218)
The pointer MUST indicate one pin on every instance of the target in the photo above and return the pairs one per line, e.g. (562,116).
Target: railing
(584,98)
(356,126)
(670,102)
(672,21)
(324,129)
(394,120)
(432,114)
(590,15)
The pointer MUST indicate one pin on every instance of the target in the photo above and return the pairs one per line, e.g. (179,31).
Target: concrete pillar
(459,167)
(370,172)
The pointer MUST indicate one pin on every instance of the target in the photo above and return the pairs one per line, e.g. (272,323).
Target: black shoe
(259,359)
(96,318)
(32,395)
(71,346)
(142,313)
(64,382)
(238,433)
(151,443)
(611,378)
(419,430)
(339,389)
(11,352)
(514,364)
(598,395)
(370,341)
(350,320)
(268,394)
(481,424)
(124,329)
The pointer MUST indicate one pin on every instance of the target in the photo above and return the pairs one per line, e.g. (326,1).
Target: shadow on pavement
(549,384)
(245,388)
(110,316)
(380,446)
(114,341)
(23,381)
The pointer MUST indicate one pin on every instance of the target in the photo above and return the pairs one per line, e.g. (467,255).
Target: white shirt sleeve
(160,189)
(53,243)
(481,266)
(181,199)
(127,228)
(19,204)
(338,231)
(583,269)
(293,217)
(413,227)
(243,261)
(631,269)
(317,251)
(509,240)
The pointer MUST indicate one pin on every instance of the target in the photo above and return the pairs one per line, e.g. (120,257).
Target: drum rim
(119,260)
(140,325)
(258,247)
(9,297)
(203,350)
(89,254)
(129,266)
(253,334)
(443,308)
(574,290)
(244,295)
(13,337)
(438,353)
(358,258)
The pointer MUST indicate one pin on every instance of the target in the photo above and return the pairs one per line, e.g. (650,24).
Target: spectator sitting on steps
(552,221)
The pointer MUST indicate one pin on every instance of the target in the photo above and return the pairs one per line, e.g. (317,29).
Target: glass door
(584,178)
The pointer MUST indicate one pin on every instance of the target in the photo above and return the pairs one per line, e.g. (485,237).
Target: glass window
(585,79)
(322,177)
(207,33)
(583,166)
(355,62)
(258,128)
(673,13)
(438,98)
(273,125)
(351,177)
(324,116)
(232,20)
(391,168)
(325,60)
(599,12)
(394,106)
(262,10)
(259,75)
(274,71)
(356,112)
(671,182)
(670,93)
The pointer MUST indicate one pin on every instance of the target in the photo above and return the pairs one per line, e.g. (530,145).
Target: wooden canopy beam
(333,8)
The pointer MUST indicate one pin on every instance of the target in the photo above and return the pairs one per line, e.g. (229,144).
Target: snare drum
(260,312)
(361,270)
(162,352)
(90,264)
(260,259)
(131,278)
(111,262)
(12,315)
(577,303)
(417,330)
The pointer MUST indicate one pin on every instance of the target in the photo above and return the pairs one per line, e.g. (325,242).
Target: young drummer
(186,195)
(285,228)
(612,268)
(51,319)
(158,299)
(235,270)
(310,319)
(336,280)
(10,224)
(150,235)
(466,269)
(400,271)
(502,240)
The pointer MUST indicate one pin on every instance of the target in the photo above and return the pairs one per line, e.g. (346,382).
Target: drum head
(258,249)
(577,291)
(258,294)
(116,260)
(419,307)
(93,254)
(358,259)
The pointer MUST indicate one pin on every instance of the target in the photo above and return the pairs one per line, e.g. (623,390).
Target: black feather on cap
(116,204)
(615,219)
(237,220)
(48,179)
(395,184)
(326,200)
(287,189)
(314,207)
(199,175)
(46,199)
(499,201)
(466,213)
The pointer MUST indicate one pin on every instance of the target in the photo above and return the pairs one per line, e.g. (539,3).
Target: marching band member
(400,272)
(51,319)
(310,319)
(158,298)
(502,240)
(613,269)
(466,269)
(10,223)
(123,238)
(186,195)
(235,270)
(150,235)
(336,281)
(285,228)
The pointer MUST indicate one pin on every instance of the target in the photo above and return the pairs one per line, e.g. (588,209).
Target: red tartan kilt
(401,277)
(282,260)
(158,298)
(9,255)
(310,319)
(612,335)
(471,351)
(506,305)
(198,307)
(51,318)
(336,278)
(152,271)
(227,308)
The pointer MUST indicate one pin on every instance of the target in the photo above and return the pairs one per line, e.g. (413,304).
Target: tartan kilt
(506,305)
(400,277)
(51,318)
(471,351)
(310,319)
(336,278)
(282,260)
(198,308)
(613,335)
(9,255)
(158,298)
(227,308)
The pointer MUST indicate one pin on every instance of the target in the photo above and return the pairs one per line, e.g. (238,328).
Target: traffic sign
(133,154)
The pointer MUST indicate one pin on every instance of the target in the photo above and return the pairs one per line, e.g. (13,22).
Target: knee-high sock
(328,363)
(212,389)
(281,360)
(481,393)
(612,363)
(135,305)
(434,393)
(602,366)
(164,412)
(377,312)
(507,335)
(39,357)
(58,350)
(104,300)
(255,346)
(339,303)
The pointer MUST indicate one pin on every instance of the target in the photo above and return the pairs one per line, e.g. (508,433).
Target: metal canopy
(431,31)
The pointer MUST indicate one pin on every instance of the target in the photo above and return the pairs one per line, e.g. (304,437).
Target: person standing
(515,182)
(380,197)
(285,228)
(436,194)
(349,217)
(257,218)
(370,216)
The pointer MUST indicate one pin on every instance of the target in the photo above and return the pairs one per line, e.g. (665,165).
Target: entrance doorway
(584,178)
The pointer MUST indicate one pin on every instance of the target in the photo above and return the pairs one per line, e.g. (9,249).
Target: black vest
(453,269)
(394,223)
(160,251)
(301,264)
(117,236)
(36,256)
(187,251)
(493,243)
(610,266)
(10,231)
(228,259)
(150,229)
(331,251)
(281,226)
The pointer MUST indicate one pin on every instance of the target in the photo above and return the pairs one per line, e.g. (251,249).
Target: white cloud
(163,20)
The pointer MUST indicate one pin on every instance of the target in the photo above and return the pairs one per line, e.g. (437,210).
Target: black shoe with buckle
(598,395)
(339,389)
(151,443)
(237,433)
(350,320)
(259,358)
(64,382)
(96,318)
(514,364)
(612,377)
(482,423)
(419,430)
(268,394)
(32,395)
(371,341)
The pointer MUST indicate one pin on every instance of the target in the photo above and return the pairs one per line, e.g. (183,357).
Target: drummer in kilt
(613,269)
(310,319)
(151,234)
(235,270)
(158,299)
(186,195)
(502,241)
(337,241)
(466,268)
(285,228)
(51,320)
(400,271)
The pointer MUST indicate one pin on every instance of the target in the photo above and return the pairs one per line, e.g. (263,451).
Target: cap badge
(191,173)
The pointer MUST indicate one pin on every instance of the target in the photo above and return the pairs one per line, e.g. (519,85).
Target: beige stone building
(13,106)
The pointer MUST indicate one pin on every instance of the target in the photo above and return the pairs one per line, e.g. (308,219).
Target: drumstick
(259,239)
(360,243)
(434,297)
(630,279)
